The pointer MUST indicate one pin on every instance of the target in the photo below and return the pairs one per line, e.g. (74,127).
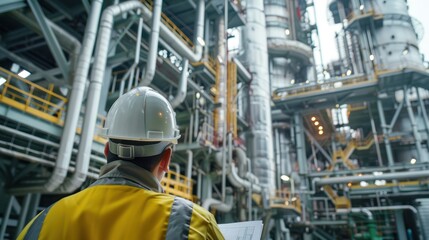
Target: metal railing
(285,199)
(32,98)
(176,30)
(303,89)
(36,100)
(178,185)
(210,64)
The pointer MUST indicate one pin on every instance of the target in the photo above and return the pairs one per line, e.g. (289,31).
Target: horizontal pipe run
(46,142)
(388,176)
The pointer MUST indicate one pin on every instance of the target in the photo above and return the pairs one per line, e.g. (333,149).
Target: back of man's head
(140,125)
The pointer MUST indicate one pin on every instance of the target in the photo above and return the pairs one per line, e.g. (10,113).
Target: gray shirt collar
(132,172)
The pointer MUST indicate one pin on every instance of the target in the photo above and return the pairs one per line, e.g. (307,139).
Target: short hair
(147,163)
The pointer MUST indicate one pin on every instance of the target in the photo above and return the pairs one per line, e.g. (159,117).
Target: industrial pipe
(234,178)
(238,182)
(153,44)
(75,103)
(219,205)
(176,166)
(179,45)
(63,160)
(136,59)
(367,211)
(183,85)
(100,59)
(388,176)
(356,210)
(284,229)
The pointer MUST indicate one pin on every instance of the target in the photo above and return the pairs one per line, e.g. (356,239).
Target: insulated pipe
(177,44)
(388,176)
(357,210)
(153,44)
(63,160)
(367,210)
(234,178)
(74,106)
(238,182)
(97,75)
(183,85)
(219,205)
(99,65)
(130,72)
(176,166)
(284,229)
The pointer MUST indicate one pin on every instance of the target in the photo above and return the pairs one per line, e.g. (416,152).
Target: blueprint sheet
(251,230)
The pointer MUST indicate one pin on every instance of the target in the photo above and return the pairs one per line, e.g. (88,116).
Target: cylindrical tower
(290,60)
(259,138)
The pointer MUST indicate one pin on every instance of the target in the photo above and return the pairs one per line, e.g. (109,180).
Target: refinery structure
(317,152)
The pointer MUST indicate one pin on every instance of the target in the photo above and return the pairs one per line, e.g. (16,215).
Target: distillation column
(259,138)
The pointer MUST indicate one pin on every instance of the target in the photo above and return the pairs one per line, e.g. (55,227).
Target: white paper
(251,230)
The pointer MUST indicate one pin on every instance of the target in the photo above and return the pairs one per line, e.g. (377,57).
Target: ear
(164,165)
(106,149)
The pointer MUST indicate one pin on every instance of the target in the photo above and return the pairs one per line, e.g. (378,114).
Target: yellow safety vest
(117,208)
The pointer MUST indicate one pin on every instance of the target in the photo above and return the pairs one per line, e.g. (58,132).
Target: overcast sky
(417,9)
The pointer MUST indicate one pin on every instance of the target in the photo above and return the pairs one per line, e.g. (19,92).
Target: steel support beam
(414,126)
(424,115)
(385,133)
(300,144)
(9,5)
(52,41)
(400,227)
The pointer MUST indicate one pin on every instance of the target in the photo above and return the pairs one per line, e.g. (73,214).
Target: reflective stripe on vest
(36,227)
(180,219)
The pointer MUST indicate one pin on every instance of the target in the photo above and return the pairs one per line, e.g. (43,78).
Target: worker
(128,201)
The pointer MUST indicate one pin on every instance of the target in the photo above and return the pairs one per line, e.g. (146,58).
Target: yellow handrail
(176,30)
(38,101)
(285,199)
(179,185)
(317,88)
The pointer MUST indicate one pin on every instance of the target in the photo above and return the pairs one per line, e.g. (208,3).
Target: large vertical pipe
(300,144)
(182,88)
(64,153)
(76,97)
(97,74)
(153,44)
(259,136)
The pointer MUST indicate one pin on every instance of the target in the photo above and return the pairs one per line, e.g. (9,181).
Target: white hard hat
(142,114)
